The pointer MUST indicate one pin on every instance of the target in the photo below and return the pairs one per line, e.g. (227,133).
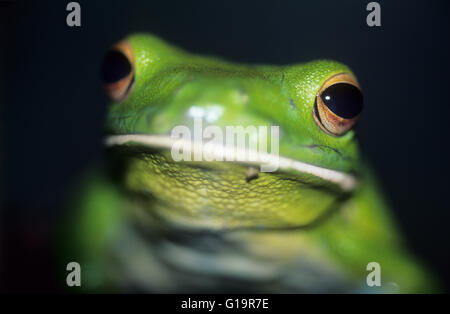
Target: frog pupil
(343,99)
(115,67)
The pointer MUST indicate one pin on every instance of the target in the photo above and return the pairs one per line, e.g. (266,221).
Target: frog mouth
(345,181)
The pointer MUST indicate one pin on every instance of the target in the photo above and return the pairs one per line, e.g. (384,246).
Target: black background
(53,108)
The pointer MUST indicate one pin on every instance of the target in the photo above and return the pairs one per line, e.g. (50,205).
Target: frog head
(156,88)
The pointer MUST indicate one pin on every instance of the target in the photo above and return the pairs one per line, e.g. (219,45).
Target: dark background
(53,107)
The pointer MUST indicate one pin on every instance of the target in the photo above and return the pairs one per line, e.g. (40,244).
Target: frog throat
(345,181)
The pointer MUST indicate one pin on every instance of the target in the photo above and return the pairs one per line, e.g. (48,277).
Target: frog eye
(117,71)
(338,104)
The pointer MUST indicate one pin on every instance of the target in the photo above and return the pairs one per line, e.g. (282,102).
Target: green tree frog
(145,222)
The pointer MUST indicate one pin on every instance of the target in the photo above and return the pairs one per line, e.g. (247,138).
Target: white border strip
(346,181)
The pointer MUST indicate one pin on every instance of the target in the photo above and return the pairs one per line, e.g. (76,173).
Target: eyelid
(126,49)
(338,78)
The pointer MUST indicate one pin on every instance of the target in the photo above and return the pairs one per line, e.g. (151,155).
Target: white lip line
(346,181)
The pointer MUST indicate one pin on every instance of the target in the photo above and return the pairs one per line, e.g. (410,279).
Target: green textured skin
(341,231)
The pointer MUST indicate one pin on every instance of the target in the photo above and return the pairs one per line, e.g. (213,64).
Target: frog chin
(266,161)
